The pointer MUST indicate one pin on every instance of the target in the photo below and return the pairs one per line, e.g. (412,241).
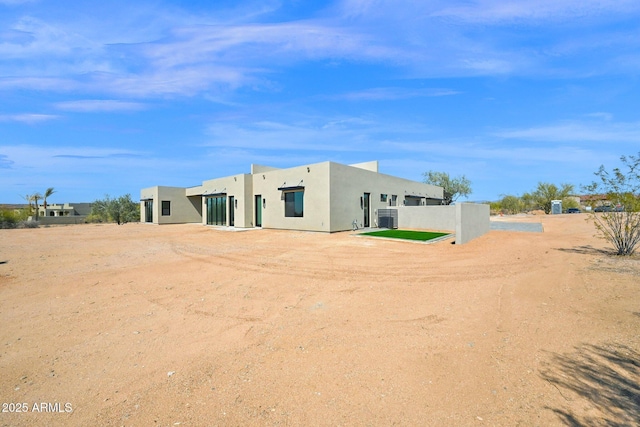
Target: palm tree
(28,198)
(34,198)
(47,193)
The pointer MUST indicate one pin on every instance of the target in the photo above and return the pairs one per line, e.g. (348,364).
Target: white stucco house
(325,196)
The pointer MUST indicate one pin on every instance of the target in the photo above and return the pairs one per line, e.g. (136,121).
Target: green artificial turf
(406,234)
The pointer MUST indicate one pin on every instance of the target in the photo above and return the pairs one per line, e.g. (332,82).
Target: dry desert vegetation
(142,325)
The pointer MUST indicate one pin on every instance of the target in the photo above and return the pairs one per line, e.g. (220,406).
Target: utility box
(388,218)
(556,207)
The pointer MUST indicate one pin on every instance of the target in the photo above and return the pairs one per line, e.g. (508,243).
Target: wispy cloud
(393,93)
(76,159)
(177,53)
(335,135)
(487,11)
(576,131)
(5,162)
(107,156)
(52,84)
(601,115)
(16,37)
(30,119)
(15,2)
(532,10)
(494,37)
(89,106)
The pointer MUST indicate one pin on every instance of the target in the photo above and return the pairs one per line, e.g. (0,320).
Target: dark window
(166,208)
(394,200)
(383,197)
(294,203)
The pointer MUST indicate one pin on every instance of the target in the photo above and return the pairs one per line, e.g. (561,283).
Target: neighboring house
(57,210)
(68,213)
(589,201)
(324,196)
(52,209)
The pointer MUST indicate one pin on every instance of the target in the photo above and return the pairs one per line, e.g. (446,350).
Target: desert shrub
(120,210)
(511,204)
(8,218)
(495,208)
(620,226)
(93,218)
(14,218)
(545,193)
(28,224)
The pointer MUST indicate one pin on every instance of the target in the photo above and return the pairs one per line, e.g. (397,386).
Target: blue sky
(109,97)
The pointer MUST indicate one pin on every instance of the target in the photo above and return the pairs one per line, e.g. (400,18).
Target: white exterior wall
(150,193)
(467,220)
(237,186)
(441,218)
(314,178)
(348,185)
(370,166)
(183,209)
(472,220)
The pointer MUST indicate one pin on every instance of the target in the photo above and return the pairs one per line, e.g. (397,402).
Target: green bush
(8,218)
(121,210)
(15,218)
(92,218)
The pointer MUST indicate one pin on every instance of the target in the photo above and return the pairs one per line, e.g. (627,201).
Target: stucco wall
(442,218)
(182,209)
(348,185)
(467,220)
(62,220)
(150,193)
(371,166)
(472,220)
(236,186)
(314,178)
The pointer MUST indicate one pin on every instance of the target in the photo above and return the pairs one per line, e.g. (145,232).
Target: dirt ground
(143,325)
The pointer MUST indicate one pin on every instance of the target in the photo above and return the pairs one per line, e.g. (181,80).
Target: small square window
(383,198)
(166,208)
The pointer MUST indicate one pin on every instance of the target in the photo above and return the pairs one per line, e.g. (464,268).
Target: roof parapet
(261,169)
(370,166)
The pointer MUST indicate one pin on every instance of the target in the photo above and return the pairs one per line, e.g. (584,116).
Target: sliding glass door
(216,210)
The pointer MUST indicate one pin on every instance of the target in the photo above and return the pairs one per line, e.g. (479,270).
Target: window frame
(165,208)
(291,201)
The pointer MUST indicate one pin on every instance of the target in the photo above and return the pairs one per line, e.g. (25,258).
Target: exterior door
(365,206)
(258,203)
(232,216)
(148,210)
(217,210)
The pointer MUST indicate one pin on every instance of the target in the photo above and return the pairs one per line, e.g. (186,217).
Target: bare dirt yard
(142,325)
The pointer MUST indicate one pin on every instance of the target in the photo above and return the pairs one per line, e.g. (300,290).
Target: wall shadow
(606,376)
(587,250)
